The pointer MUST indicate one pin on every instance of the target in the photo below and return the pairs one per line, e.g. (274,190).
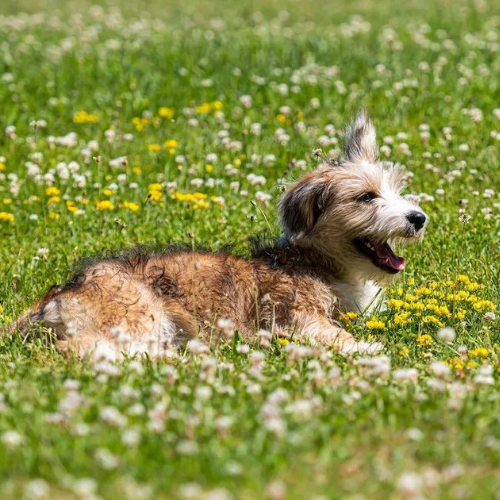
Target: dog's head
(351,210)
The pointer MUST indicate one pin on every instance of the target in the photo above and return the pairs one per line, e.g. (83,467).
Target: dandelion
(480,352)
(134,207)
(84,117)
(6,217)
(166,112)
(170,145)
(104,205)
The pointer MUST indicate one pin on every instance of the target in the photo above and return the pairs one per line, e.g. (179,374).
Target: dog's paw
(361,347)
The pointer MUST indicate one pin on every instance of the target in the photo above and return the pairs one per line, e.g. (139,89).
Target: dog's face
(352,210)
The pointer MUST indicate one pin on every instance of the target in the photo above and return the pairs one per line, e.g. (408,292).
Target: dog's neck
(354,292)
(284,254)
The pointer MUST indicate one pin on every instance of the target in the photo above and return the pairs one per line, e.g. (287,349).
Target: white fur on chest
(358,297)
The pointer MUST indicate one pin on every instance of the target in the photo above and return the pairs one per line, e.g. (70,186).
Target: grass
(165,87)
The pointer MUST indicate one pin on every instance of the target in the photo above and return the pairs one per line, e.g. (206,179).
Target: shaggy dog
(340,224)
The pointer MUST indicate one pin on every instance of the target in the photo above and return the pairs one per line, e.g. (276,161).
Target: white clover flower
(112,416)
(11,439)
(246,101)
(187,447)
(405,375)
(37,489)
(409,485)
(262,197)
(447,334)
(439,369)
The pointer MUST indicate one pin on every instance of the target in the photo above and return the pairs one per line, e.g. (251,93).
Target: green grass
(213,427)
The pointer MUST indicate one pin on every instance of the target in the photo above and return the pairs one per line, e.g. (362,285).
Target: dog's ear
(360,140)
(304,202)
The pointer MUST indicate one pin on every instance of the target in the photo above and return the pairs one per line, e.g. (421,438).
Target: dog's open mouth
(381,254)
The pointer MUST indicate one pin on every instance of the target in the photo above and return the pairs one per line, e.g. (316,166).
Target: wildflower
(490,316)
(375,324)
(134,207)
(480,352)
(447,334)
(154,147)
(84,117)
(424,340)
(440,369)
(170,145)
(166,112)
(6,217)
(405,375)
(104,205)
(52,191)
(484,377)
(11,439)
(37,489)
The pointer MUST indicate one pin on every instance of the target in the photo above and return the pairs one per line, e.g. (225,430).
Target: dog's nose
(417,219)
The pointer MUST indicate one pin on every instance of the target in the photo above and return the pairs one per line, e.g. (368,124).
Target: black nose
(417,219)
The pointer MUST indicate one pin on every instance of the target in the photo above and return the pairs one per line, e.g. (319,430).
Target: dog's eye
(366,197)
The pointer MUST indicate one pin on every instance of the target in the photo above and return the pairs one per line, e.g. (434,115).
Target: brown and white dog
(340,224)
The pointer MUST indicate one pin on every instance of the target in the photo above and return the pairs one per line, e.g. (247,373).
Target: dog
(340,225)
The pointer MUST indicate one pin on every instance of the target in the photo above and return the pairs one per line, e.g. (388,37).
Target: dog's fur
(298,286)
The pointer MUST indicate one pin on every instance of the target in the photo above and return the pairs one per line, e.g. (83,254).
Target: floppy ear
(303,203)
(360,140)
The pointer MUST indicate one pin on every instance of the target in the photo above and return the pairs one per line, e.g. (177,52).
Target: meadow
(180,122)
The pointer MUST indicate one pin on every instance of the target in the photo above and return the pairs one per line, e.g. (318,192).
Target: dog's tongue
(389,258)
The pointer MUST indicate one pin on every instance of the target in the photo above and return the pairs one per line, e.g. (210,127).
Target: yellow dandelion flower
(137,170)
(166,112)
(203,108)
(84,117)
(283,342)
(456,363)
(155,195)
(54,215)
(2,166)
(108,192)
(104,205)
(209,167)
(154,147)
(479,352)
(6,217)
(52,191)
(131,206)
(140,123)
(201,204)
(170,145)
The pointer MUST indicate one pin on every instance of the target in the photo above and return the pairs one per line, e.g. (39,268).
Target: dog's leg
(319,330)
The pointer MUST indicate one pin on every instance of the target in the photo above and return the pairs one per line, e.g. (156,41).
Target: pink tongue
(389,258)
